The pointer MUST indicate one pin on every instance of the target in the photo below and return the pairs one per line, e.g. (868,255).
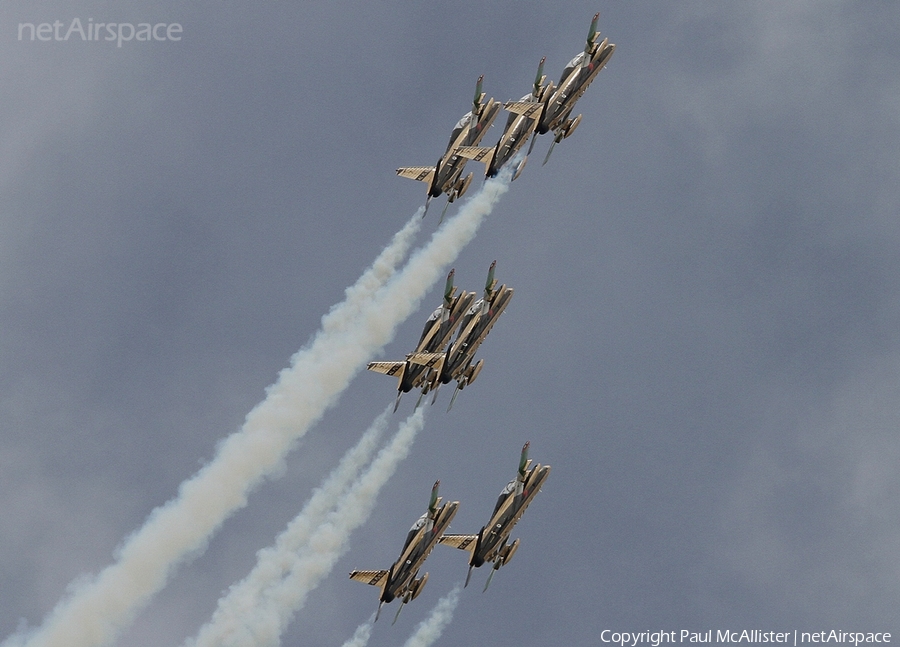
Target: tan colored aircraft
(446,175)
(438,330)
(575,79)
(490,544)
(456,362)
(520,125)
(400,580)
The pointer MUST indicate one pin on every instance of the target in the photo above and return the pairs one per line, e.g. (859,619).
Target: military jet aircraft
(400,580)
(456,362)
(445,176)
(490,544)
(520,125)
(438,330)
(575,79)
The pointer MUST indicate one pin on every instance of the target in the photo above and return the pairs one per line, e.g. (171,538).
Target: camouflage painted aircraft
(575,79)
(490,544)
(456,362)
(446,175)
(400,580)
(520,125)
(438,330)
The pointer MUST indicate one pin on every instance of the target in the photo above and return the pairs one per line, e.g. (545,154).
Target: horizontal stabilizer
(524,108)
(388,368)
(420,173)
(369,577)
(463,542)
(477,153)
(425,359)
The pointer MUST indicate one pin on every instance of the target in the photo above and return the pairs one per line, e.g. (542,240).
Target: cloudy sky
(704,341)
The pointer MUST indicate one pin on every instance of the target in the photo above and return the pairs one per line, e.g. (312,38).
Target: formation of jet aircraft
(436,360)
(438,329)
(429,365)
(575,79)
(547,108)
(521,123)
(400,580)
(456,362)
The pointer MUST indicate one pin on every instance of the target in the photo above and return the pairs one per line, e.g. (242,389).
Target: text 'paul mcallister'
(657,638)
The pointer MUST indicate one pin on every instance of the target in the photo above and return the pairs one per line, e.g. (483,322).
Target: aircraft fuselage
(419,544)
(509,509)
(575,80)
(470,130)
(474,328)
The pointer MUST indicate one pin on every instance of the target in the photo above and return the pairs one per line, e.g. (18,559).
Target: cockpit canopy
(575,62)
(504,494)
(418,525)
(462,123)
(420,522)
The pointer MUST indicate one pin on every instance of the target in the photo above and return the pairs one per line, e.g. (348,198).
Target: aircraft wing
(420,173)
(369,577)
(463,542)
(388,368)
(524,108)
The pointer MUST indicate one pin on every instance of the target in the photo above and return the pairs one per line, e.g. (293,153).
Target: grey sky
(703,341)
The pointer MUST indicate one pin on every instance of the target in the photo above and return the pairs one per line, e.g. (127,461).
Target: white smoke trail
(94,612)
(360,637)
(431,628)
(358,294)
(427,631)
(273,563)
(261,624)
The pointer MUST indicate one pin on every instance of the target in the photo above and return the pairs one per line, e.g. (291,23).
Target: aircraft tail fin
(449,290)
(523,461)
(539,79)
(491,282)
(479,95)
(592,34)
